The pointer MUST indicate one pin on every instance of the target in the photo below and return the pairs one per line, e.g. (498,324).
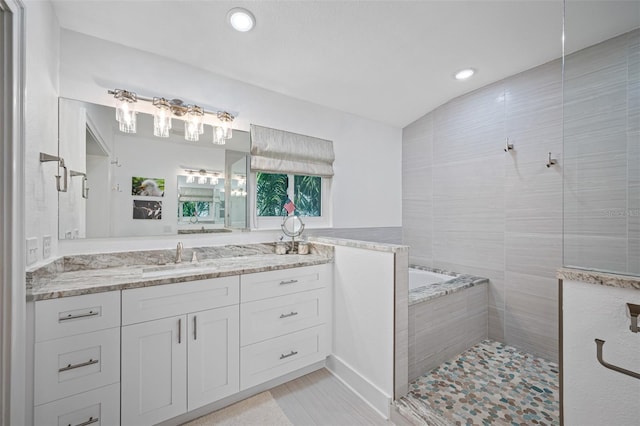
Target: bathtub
(448,313)
(420,277)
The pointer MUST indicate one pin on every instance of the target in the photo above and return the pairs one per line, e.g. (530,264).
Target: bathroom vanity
(135,344)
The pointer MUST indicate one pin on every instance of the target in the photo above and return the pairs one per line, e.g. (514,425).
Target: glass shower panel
(601,158)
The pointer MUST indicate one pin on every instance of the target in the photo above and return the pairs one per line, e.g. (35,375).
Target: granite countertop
(86,274)
(367,245)
(599,278)
(457,283)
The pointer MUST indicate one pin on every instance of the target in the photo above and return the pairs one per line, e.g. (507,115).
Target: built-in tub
(448,313)
(422,277)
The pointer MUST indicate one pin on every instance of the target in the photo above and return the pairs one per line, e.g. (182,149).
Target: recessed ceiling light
(241,19)
(464,74)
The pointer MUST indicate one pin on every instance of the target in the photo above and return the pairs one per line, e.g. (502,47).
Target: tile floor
(489,384)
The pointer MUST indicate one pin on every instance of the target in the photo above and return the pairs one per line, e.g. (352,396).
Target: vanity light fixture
(204,176)
(241,19)
(464,74)
(165,110)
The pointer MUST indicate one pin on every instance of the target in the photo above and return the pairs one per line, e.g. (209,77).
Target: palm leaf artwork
(271,193)
(308,195)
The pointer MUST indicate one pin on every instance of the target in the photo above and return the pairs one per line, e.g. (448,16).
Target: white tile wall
(499,215)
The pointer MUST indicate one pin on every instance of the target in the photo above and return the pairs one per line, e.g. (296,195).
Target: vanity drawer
(267,318)
(267,360)
(99,407)
(163,301)
(68,316)
(76,364)
(263,285)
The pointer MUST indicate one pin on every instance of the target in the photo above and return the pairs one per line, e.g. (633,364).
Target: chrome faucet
(179,252)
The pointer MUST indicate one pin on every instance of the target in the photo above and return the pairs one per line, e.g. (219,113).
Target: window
(308,193)
(290,168)
(195,209)
(274,190)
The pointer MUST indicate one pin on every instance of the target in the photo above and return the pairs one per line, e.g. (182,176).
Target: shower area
(501,187)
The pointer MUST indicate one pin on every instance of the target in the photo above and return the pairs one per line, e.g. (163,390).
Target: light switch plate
(46,246)
(32,250)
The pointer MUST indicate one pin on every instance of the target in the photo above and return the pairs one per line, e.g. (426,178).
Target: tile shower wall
(470,207)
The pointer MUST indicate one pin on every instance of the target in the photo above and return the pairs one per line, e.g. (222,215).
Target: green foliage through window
(273,190)
(308,195)
(195,209)
(271,194)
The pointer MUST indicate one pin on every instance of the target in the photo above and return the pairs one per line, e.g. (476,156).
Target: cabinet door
(214,355)
(154,371)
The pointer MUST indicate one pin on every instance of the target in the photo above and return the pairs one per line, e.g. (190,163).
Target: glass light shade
(227,130)
(161,118)
(194,124)
(218,136)
(126,116)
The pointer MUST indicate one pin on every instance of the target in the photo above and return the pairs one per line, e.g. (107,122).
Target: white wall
(162,161)
(72,224)
(593,394)
(363,323)
(41,130)
(90,66)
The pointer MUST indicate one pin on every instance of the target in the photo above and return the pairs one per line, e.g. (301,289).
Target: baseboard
(361,386)
(247,393)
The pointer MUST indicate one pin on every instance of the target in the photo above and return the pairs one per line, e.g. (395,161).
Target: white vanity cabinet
(284,322)
(180,345)
(77,360)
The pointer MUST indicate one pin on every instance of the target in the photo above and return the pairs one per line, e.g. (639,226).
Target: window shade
(277,151)
(195,194)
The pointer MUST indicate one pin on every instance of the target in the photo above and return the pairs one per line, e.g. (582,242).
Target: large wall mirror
(137,184)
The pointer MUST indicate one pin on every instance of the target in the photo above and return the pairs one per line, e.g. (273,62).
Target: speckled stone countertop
(458,282)
(95,273)
(600,278)
(368,245)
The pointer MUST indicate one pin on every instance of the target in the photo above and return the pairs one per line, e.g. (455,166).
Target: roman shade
(277,151)
(195,194)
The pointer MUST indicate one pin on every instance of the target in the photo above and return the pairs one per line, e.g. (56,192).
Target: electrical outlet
(46,246)
(32,250)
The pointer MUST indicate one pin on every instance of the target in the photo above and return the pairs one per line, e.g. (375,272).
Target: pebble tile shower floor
(489,384)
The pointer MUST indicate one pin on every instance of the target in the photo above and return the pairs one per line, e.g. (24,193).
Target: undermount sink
(177,269)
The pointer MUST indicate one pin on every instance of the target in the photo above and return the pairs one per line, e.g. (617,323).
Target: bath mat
(259,410)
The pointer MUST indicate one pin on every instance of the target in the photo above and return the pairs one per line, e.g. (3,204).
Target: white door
(154,371)
(214,355)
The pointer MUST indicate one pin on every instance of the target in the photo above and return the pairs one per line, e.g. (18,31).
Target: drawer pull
(288,315)
(88,422)
(88,314)
(195,326)
(292,353)
(288,282)
(82,364)
(179,330)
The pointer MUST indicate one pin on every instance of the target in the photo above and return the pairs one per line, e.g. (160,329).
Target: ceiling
(389,61)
